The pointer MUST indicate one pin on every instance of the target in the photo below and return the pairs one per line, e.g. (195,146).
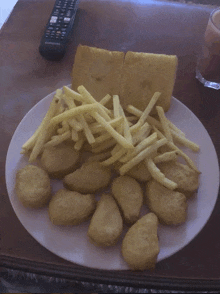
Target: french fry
(175,129)
(135,111)
(167,156)
(73,112)
(116,106)
(89,99)
(76,96)
(186,157)
(74,135)
(88,134)
(43,133)
(79,144)
(141,134)
(56,140)
(104,146)
(119,138)
(29,144)
(131,118)
(164,123)
(114,157)
(116,149)
(154,122)
(97,128)
(151,120)
(138,134)
(75,124)
(69,101)
(82,121)
(141,146)
(127,132)
(142,155)
(178,151)
(149,107)
(102,138)
(159,176)
(58,94)
(105,99)
(184,141)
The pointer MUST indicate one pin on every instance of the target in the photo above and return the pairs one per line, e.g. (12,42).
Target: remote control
(58,29)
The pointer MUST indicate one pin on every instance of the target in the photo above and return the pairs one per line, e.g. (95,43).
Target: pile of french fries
(126,137)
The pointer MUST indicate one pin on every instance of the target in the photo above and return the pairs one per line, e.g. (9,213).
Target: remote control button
(53,19)
(66,19)
(68,13)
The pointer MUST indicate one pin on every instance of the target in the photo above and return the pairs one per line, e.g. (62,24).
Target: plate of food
(89,178)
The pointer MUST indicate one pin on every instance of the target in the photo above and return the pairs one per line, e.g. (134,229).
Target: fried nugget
(33,186)
(140,245)
(169,206)
(69,208)
(186,178)
(60,160)
(106,224)
(90,178)
(140,172)
(129,196)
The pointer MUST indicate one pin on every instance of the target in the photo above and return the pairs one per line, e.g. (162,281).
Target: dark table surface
(157,27)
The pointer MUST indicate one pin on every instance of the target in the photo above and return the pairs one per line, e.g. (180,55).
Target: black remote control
(58,29)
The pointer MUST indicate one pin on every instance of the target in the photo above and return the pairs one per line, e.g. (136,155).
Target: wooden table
(158,27)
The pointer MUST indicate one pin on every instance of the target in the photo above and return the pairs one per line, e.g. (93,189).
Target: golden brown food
(68,208)
(33,186)
(143,74)
(186,178)
(140,245)
(169,206)
(106,224)
(99,70)
(140,172)
(129,196)
(90,178)
(60,160)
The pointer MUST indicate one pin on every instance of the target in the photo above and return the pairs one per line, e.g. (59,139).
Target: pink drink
(209,61)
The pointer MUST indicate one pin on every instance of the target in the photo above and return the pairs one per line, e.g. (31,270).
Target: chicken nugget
(69,208)
(33,186)
(186,178)
(140,246)
(59,160)
(140,172)
(129,196)
(90,178)
(169,206)
(106,224)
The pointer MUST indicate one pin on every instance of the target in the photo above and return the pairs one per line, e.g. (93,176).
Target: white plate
(71,243)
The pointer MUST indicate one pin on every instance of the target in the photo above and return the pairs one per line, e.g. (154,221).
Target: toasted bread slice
(98,70)
(143,74)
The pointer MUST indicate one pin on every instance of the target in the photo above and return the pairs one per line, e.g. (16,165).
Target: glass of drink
(208,65)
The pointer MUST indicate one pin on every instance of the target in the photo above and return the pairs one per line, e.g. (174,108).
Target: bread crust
(98,70)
